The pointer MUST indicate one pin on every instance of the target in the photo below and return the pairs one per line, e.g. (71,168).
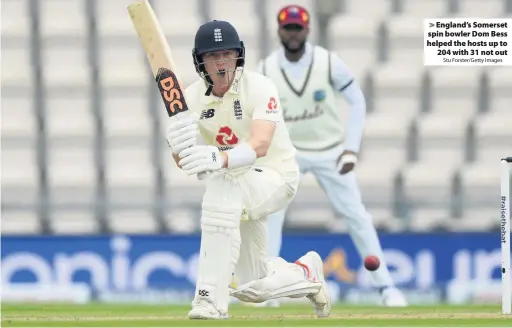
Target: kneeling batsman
(251,173)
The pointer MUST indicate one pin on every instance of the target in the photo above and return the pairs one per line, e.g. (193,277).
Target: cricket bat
(159,56)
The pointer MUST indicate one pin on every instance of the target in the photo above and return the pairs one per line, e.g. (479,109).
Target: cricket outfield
(106,315)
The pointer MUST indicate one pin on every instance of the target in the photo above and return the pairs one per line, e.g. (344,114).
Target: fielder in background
(308,79)
(252,172)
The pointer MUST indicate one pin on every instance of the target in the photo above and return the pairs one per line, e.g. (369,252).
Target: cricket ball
(371,263)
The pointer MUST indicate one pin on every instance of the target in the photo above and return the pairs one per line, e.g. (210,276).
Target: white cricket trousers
(344,195)
(264,191)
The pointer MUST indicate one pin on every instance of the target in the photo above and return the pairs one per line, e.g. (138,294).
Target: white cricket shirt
(225,122)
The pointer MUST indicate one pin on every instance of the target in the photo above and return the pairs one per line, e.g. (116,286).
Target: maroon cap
(293,14)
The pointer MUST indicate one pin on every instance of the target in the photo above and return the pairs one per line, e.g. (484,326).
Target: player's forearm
(260,146)
(356,117)
(246,153)
(262,133)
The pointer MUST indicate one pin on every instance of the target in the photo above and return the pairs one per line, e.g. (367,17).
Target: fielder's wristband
(241,155)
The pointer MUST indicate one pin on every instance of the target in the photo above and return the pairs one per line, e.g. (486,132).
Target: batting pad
(220,240)
(283,280)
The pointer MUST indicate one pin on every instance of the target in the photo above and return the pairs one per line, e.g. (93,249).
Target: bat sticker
(171,92)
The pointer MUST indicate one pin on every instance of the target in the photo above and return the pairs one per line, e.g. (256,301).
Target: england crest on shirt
(237,109)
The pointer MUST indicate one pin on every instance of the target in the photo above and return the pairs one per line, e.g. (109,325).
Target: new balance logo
(207,113)
(203,293)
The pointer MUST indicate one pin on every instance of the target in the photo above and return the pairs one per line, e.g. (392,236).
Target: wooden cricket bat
(159,56)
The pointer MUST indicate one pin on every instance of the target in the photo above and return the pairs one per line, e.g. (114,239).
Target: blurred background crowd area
(83,148)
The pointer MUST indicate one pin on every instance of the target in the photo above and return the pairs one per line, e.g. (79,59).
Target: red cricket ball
(371,263)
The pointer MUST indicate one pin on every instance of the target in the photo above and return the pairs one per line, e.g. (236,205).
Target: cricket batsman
(252,173)
(308,79)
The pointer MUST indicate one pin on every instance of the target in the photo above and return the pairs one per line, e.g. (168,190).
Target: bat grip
(200,175)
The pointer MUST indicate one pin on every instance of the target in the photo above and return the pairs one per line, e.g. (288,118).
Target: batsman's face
(293,36)
(221,67)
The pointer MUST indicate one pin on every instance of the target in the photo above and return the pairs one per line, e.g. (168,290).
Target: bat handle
(201,175)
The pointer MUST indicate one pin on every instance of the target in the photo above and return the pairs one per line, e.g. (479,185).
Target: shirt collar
(305,60)
(234,89)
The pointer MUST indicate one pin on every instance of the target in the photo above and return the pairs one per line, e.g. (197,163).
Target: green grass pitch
(106,315)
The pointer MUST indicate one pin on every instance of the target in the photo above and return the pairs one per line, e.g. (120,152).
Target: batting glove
(199,159)
(181,134)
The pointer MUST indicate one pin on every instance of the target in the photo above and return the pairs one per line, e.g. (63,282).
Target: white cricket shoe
(205,310)
(392,297)
(314,266)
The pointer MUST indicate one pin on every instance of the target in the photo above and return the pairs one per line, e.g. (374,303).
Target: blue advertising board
(131,263)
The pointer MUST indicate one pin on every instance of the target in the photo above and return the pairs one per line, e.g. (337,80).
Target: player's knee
(220,216)
(357,216)
(275,202)
(222,202)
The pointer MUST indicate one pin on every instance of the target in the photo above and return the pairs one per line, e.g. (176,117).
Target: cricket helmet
(215,36)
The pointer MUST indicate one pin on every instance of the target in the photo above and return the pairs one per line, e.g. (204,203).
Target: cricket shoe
(205,310)
(392,297)
(314,268)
